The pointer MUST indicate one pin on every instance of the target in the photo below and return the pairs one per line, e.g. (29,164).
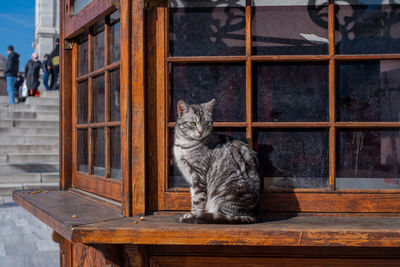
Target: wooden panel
(193,261)
(109,188)
(138,111)
(83,256)
(76,24)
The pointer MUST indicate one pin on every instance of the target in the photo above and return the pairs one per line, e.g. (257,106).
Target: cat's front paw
(185,217)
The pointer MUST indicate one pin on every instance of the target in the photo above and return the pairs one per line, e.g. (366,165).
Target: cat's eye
(206,123)
(193,123)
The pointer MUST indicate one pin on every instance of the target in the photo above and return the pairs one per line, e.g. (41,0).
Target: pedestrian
(46,72)
(54,63)
(32,71)
(11,72)
(18,88)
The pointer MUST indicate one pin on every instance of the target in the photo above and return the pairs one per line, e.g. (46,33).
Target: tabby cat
(223,173)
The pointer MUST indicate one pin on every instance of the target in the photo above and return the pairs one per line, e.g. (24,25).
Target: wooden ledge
(101,224)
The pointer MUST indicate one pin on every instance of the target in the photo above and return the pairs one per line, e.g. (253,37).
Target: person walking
(54,63)
(11,72)
(32,71)
(46,72)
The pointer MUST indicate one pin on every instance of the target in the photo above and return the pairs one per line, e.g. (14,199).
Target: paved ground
(24,240)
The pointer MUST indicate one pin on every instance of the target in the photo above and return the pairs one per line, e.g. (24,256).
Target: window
(97,109)
(311,85)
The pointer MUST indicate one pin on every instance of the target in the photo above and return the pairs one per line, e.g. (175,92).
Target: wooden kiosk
(312,85)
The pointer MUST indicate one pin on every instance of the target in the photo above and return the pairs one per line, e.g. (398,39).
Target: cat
(223,173)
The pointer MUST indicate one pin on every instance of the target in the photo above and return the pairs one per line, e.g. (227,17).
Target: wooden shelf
(97,223)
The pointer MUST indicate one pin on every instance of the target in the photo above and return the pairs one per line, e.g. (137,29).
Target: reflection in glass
(83,156)
(115,48)
(98,48)
(83,58)
(115,153)
(207,28)
(199,83)
(367,27)
(368,91)
(80,4)
(98,99)
(291,92)
(83,102)
(98,152)
(115,96)
(175,178)
(290,27)
(293,158)
(368,159)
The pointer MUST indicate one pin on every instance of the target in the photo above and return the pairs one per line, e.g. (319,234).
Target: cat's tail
(211,218)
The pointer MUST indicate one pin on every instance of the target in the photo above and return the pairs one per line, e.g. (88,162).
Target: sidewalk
(24,240)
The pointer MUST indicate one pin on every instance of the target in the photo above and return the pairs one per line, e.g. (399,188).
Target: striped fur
(223,173)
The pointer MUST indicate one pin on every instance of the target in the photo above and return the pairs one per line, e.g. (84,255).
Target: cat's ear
(182,107)
(209,105)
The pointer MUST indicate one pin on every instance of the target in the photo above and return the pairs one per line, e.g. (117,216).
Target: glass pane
(98,99)
(290,27)
(368,91)
(99,152)
(199,83)
(98,47)
(291,92)
(368,159)
(80,4)
(83,156)
(293,158)
(83,102)
(115,153)
(207,28)
(83,58)
(367,27)
(115,49)
(115,96)
(115,16)
(175,178)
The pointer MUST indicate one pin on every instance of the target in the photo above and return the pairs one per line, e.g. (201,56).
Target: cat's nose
(201,132)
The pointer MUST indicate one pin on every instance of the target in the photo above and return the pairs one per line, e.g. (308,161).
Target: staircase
(29,143)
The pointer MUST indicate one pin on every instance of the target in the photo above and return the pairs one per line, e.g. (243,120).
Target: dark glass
(115,16)
(80,4)
(368,91)
(199,83)
(83,60)
(83,156)
(83,102)
(292,28)
(98,152)
(367,27)
(203,28)
(98,47)
(115,153)
(115,105)
(98,99)
(368,159)
(291,92)
(175,178)
(293,158)
(115,45)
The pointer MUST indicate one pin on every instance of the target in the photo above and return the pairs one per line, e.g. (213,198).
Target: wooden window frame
(295,200)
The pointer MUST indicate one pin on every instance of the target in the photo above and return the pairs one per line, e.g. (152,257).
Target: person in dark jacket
(18,88)
(46,72)
(32,71)
(11,72)
(53,65)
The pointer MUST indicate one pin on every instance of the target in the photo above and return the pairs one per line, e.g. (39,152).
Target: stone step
(31,157)
(52,177)
(7,131)
(17,115)
(29,140)
(48,116)
(33,108)
(7,148)
(34,123)
(50,94)
(6,189)
(42,101)
(4,100)
(12,168)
